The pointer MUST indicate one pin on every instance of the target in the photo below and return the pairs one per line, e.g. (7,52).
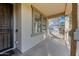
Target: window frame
(40,22)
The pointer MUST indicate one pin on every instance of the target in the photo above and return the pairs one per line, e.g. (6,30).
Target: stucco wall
(17,14)
(24,41)
(28,41)
(68,9)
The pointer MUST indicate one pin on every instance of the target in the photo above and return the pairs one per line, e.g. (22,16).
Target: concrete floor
(57,48)
(48,47)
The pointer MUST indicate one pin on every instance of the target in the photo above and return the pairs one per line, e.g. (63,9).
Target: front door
(6,36)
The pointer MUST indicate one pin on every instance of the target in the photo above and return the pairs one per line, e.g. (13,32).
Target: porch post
(74,27)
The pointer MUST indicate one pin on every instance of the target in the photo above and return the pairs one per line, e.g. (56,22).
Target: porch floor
(48,47)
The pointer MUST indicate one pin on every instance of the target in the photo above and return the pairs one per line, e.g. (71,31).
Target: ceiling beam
(65,8)
(56,15)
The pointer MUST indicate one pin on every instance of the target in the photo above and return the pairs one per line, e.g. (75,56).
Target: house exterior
(27,32)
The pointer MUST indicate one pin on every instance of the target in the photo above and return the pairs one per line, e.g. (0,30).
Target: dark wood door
(6,26)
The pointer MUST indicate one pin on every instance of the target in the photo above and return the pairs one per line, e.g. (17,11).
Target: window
(38,22)
(44,24)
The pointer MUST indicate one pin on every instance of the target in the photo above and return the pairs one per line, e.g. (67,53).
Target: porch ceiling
(49,9)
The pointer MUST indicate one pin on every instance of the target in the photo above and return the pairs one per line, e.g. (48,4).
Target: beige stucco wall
(68,9)
(17,14)
(24,41)
(28,41)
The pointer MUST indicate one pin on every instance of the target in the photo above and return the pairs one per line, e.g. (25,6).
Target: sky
(55,22)
(62,19)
